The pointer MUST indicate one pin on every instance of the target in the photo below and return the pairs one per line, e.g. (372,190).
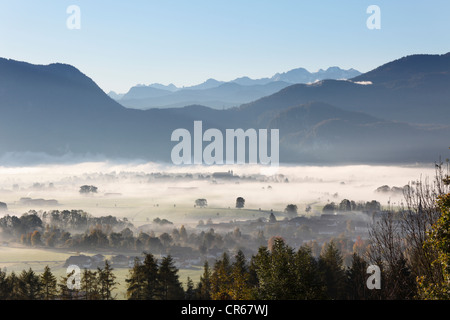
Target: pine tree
(4,287)
(308,279)
(190,291)
(356,279)
(90,285)
(48,281)
(170,285)
(204,286)
(150,277)
(64,292)
(29,285)
(135,281)
(282,276)
(107,282)
(221,279)
(331,266)
(13,283)
(240,288)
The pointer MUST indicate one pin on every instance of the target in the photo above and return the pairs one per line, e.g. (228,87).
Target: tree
(135,281)
(48,285)
(190,291)
(170,286)
(29,285)
(329,207)
(13,287)
(345,205)
(240,288)
(86,189)
(272,218)
(240,202)
(201,203)
(356,287)
(387,250)
(204,286)
(4,286)
(90,285)
(36,238)
(166,239)
(307,276)
(143,280)
(331,266)
(221,279)
(291,209)
(183,234)
(439,241)
(150,277)
(65,293)
(107,281)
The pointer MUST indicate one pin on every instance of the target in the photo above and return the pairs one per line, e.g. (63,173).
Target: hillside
(57,110)
(412,89)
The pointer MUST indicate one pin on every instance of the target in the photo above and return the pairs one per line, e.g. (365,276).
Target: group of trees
(93,285)
(240,202)
(86,189)
(275,272)
(67,228)
(278,272)
(411,248)
(150,280)
(411,245)
(350,205)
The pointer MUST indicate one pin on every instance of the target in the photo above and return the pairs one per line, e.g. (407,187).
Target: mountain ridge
(141,96)
(57,110)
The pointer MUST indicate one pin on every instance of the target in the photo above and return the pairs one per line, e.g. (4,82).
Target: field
(126,191)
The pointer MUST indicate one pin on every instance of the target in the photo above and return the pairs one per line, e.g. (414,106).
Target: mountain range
(396,113)
(219,94)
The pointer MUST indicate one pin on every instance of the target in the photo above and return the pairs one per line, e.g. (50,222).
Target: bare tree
(397,239)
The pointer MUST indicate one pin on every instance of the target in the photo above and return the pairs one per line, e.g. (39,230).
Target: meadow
(131,191)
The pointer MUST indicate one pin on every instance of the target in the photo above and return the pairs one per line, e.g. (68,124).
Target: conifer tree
(204,286)
(331,266)
(29,285)
(240,288)
(135,281)
(4,286)
(107,282)
(48,281)
(190,291)
(221,279)
(90,285)
(170,286)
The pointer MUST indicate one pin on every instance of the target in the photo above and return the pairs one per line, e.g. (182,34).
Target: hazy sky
(123,43)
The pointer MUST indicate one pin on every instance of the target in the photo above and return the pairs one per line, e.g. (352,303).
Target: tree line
(28,285)
(410,248)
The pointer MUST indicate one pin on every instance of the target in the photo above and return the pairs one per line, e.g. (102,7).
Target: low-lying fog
(144,191)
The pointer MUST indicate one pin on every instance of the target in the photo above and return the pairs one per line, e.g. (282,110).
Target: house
(224,175)
(3,206)
(98,260)
(120,261)
(37,202)
(82,261)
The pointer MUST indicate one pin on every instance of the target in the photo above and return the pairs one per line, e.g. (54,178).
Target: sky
(123,43)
